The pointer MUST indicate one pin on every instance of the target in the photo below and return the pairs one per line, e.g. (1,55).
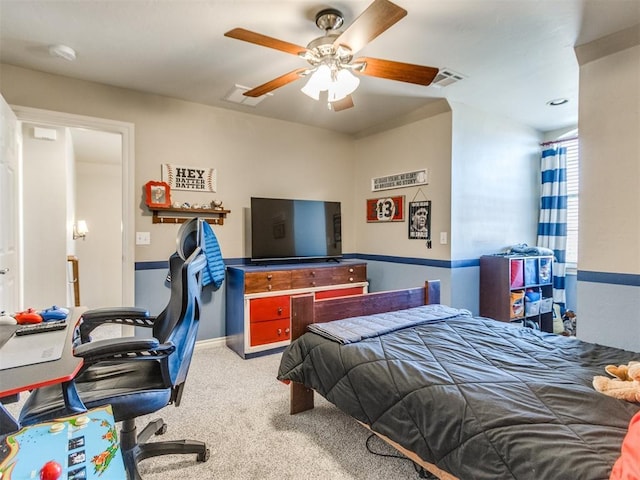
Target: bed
(465,397)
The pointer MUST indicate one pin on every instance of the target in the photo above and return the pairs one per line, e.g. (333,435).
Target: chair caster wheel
(162,430)
(204,456)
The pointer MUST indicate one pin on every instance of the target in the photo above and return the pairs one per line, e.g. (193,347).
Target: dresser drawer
(258,282)
(270,332)
(311,277)
(269,308)
(342,292)
(349,274)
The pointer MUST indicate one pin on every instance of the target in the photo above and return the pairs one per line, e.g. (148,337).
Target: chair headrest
(188,238)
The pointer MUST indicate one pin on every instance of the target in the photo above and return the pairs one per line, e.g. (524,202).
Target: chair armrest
(91,319)
(122,349)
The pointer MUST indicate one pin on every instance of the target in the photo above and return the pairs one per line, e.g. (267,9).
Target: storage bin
(532,301)
(517,275)
(531,308)
(544,270)
(517,303)
(546,305)
(530,271)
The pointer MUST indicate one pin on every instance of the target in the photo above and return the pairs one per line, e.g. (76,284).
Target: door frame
(126,130)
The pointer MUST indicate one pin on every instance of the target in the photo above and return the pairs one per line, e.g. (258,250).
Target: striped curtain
(552,225)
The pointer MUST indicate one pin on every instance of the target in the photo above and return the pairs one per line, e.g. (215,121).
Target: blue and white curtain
(552,225)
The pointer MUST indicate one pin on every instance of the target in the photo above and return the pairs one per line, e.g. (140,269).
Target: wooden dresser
(258,309)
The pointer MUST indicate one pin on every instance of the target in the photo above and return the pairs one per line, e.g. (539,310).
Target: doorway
(100,193)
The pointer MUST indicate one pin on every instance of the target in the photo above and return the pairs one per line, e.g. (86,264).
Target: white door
(9,208)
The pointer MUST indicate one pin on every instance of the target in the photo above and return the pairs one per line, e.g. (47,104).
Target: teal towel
(214,272)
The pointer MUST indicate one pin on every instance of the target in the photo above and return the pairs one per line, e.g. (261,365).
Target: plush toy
(569,321)
(625,385)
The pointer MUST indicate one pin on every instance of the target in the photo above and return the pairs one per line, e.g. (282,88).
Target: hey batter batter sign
(196,179)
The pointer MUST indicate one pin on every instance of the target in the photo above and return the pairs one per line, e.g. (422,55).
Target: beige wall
(608,253)
(253,155)
(610,163)
(426,144)
(45,209)
(99,254)
(495,183)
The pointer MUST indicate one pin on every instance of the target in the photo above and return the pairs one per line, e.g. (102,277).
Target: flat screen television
(295,230)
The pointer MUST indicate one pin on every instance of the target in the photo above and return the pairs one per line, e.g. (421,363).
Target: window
(573,160)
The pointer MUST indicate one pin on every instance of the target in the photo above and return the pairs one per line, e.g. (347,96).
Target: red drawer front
(270,331)
(343,292)
(269,308)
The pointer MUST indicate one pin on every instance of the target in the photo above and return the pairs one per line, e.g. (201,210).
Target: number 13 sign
(388,209)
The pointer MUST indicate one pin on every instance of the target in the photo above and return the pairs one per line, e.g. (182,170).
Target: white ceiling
(516,54)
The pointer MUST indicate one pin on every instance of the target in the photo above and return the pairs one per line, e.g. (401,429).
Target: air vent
(235,95)
(446,77)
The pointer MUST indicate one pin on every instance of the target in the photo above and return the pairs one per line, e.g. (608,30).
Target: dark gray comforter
(478,398)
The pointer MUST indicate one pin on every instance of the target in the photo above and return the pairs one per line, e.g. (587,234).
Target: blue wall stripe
(582,276)
(473,262)
(629,279)
(151,265)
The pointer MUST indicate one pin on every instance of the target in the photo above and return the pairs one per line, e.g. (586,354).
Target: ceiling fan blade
(281,81)
(378,17)
(403,72)
(343,104)
(265,41)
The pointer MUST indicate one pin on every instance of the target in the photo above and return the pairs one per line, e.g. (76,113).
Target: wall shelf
(213,216)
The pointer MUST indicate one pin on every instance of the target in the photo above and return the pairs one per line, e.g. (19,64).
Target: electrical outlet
(143,238)
(443,238)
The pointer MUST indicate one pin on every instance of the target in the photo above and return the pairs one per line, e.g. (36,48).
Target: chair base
(135,447)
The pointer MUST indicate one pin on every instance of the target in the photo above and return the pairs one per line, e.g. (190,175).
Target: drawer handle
(313,274)
(351,279)
(269,287)
(287,330)
(269,277)
(351,270)
(279,310)
(279,331)
(313,284)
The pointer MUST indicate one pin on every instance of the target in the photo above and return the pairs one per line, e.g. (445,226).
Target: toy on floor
(625,385)
(569,321)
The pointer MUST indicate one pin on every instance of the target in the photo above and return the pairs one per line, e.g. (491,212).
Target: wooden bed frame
(305,311)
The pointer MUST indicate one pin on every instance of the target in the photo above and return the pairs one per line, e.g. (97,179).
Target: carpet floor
(241,411)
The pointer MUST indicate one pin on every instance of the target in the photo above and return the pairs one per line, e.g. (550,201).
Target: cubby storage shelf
(505,281)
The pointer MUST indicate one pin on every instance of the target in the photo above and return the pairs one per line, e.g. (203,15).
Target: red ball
(51,471)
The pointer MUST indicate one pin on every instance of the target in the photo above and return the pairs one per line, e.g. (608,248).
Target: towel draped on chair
(214,271)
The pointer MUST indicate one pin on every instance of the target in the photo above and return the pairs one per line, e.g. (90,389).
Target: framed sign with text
(386,209)
(400,180)
(197,179)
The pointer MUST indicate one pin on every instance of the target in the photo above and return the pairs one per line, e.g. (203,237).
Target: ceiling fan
(331,56)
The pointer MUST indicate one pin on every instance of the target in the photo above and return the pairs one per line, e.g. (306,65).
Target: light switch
(143,238)
(443,238)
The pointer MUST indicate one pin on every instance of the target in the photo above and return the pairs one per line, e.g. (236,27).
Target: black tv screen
(283,229)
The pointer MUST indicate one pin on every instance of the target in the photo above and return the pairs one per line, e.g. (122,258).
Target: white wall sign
(399,180)
(189,178)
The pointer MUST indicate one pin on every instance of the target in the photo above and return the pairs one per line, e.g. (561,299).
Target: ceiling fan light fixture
(319,81)
(345,84)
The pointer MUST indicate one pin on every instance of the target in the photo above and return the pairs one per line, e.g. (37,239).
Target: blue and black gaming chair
(136,376)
